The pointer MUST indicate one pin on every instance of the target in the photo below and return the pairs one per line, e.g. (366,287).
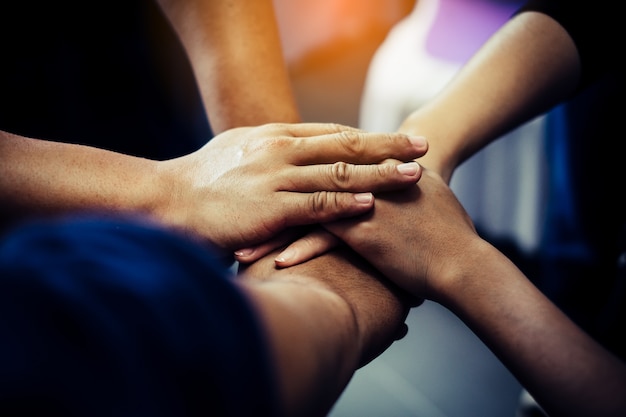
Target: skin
(71,177)
(444,260)
(235,52)
(274,171)
(244,187)
(325,319)
(426,243)
(194,191)
(322,326)
(531,58)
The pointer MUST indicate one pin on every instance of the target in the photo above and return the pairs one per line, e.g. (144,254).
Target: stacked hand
(421,235)
(283,175)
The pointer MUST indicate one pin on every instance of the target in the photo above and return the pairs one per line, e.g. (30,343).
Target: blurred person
(581,85)
(116,315)
(89,170)
(546,57)
(542,64)
(134,77)
(416,60)
(116,297)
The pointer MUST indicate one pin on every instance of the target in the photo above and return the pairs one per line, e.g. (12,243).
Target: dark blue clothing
(106,317)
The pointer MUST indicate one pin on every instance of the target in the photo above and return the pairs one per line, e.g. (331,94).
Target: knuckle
(322,201)
(340,173)
(265,130)
(385,170)
(266,138)
(352,141)
(277,143)
(336,127)
(394,140)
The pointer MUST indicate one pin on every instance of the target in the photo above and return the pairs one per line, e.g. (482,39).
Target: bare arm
(564,369)
(427,244)
(235,51)
(242,187)
(325,319)
(289,172)
(524,69)
(41,177)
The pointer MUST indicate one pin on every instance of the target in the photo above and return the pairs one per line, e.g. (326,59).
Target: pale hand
(248,184)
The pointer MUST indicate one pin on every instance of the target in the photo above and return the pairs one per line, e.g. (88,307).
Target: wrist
(378,308)
(374,307)
(163,198)
(463,272)
(438,158)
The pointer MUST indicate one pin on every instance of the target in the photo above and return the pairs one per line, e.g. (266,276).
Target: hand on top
(248,184)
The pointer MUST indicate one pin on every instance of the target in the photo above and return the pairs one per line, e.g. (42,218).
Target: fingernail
(285,256)
(365,198)
(418,141)
(410,168)
(244,253)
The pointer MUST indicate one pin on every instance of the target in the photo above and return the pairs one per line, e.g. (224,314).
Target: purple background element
(461,26)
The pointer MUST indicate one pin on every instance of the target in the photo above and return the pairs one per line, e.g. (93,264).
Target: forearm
(523,70)
(236,53)
(425,241)
(567,371)
(325,318)
(39,176)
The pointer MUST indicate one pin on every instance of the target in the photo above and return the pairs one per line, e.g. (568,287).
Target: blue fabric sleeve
(105,317)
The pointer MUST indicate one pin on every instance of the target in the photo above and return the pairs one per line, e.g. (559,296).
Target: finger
(311,129)
(358,147)
(254,253)
(354,232)
(386,176)
(323,206)
(307,247)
